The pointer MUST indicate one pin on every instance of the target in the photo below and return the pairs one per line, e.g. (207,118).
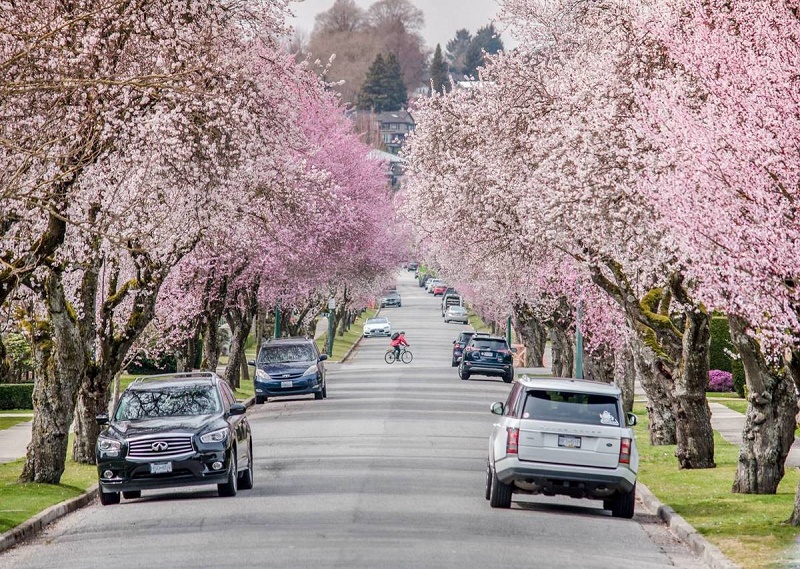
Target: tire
(488,492)
(132,494)
(406,357)
(624,505)
(228,489)
(454,363)
(260,399)
(246,478)
(389,357)
(109,498)
(324,390)
(509,377)
(499,493)
(463,374)
(318,395)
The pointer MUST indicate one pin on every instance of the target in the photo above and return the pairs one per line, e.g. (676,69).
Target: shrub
(739,383)
(721,347)
(720,380)
(16,396)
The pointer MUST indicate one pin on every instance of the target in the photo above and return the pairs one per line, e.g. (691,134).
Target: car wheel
(324,390)
(318,395)
(246,478)
(260,399)
(624,505)
(109,498)
(499,493)
(508,378)
(228,489)
(454,363)
(463,374)
(488,492)
(132,494)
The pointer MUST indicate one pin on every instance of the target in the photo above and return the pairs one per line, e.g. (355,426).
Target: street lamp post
(508,331)
(578,341)
(331,310)
(277,329)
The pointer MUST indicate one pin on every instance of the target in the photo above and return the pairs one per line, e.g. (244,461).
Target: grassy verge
(20,502)
(738,405)
(16,411)
(748,528)
(342,344)
(7,422)
(478,324)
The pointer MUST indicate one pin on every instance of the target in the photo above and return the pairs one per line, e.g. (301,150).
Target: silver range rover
(563,436)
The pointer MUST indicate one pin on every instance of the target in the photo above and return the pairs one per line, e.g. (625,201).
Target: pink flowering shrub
(719,380)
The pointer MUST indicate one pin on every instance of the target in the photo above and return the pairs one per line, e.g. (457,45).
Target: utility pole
(508,331)
(277,330)
(331,311)
(578,341)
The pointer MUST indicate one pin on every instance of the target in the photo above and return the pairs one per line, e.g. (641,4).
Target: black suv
(172,430)
(459,344)
(289,366)
(487,355)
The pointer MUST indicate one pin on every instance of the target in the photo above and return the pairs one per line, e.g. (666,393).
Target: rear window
(463,338)
(570,407)
(494,345)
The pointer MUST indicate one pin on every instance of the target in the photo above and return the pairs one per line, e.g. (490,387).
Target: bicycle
(405,356)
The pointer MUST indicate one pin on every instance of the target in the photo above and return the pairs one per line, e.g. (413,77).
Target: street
(387,472)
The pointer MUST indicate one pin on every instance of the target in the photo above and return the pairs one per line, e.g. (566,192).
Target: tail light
(504,352)
(625,451)
(457,346)
(512,440)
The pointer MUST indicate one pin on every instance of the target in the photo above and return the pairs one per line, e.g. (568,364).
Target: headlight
(310,370)
(109,447)
(215,436)
(262,375)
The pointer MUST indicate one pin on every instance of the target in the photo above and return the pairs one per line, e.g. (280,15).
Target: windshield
(377,321)
(569,407)
(168,402)
(286,354)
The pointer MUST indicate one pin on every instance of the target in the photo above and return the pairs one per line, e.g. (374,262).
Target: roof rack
(177,376)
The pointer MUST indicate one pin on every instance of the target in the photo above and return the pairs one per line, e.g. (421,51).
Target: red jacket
(399,341)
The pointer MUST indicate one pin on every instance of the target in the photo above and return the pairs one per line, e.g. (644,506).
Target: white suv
(563,436)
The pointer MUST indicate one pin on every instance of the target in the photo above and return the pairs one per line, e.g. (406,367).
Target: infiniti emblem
(160,446)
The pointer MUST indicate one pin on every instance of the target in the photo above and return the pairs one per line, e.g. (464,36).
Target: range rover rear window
(570,407)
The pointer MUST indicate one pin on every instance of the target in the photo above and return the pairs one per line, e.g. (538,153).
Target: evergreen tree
(383,89)
(489,40)
(473,59)
(439,76)
(457,51)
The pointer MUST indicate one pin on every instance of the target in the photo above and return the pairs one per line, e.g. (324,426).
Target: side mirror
(323,357)
(101,419)
(237,409)
(513,350)
(632,420)
(251,363)
(454,342)
(498,408)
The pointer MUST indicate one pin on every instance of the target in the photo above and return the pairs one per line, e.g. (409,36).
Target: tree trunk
(5,368)
(563,352)
(793,368)
(625,376)
(533,334)
(210,359)
(770,419)
(656,381)
(694,434)
(59,362)
(240,322)
(92,401)
(599,365)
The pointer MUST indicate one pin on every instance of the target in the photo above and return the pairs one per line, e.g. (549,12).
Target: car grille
(149,448)
(286,376)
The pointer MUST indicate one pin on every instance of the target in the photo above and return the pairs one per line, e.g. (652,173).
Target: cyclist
(400,340)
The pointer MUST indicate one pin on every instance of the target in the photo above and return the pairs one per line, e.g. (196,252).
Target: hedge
(16,396)
(721,345)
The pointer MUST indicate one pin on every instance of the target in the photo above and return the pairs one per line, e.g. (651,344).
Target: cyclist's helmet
(402,332)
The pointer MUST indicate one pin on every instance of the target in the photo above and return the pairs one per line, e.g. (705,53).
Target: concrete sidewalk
(14,440)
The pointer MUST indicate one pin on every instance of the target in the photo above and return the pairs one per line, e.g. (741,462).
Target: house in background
(386,130)
(395,166)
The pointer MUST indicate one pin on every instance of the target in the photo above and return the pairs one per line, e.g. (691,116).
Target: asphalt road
(388,472)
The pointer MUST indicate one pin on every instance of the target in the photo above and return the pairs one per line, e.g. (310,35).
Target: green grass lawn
(748,528)
(6,422)
(16,411)
(19,502)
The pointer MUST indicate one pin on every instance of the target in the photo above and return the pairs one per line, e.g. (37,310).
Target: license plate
(160,467)
(568,441)
(487,354)
(286,384)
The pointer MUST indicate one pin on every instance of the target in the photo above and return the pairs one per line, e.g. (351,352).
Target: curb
(35,524)
(709,553)
(355,344)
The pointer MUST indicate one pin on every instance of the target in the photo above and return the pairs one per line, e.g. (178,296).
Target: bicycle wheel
(406,357)
(389,357)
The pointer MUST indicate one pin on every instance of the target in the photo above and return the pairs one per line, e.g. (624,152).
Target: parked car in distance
(377,326)
(487,355)
(459,344)
(456,314)
(289,366)
(431,283)
(412,267)
(563,436)
(391,298)
(451,299)
(174,430)
(438,289)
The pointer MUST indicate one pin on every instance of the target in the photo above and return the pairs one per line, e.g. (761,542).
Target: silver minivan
(567,437)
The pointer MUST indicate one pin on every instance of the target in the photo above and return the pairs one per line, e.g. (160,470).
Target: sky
(442,17)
